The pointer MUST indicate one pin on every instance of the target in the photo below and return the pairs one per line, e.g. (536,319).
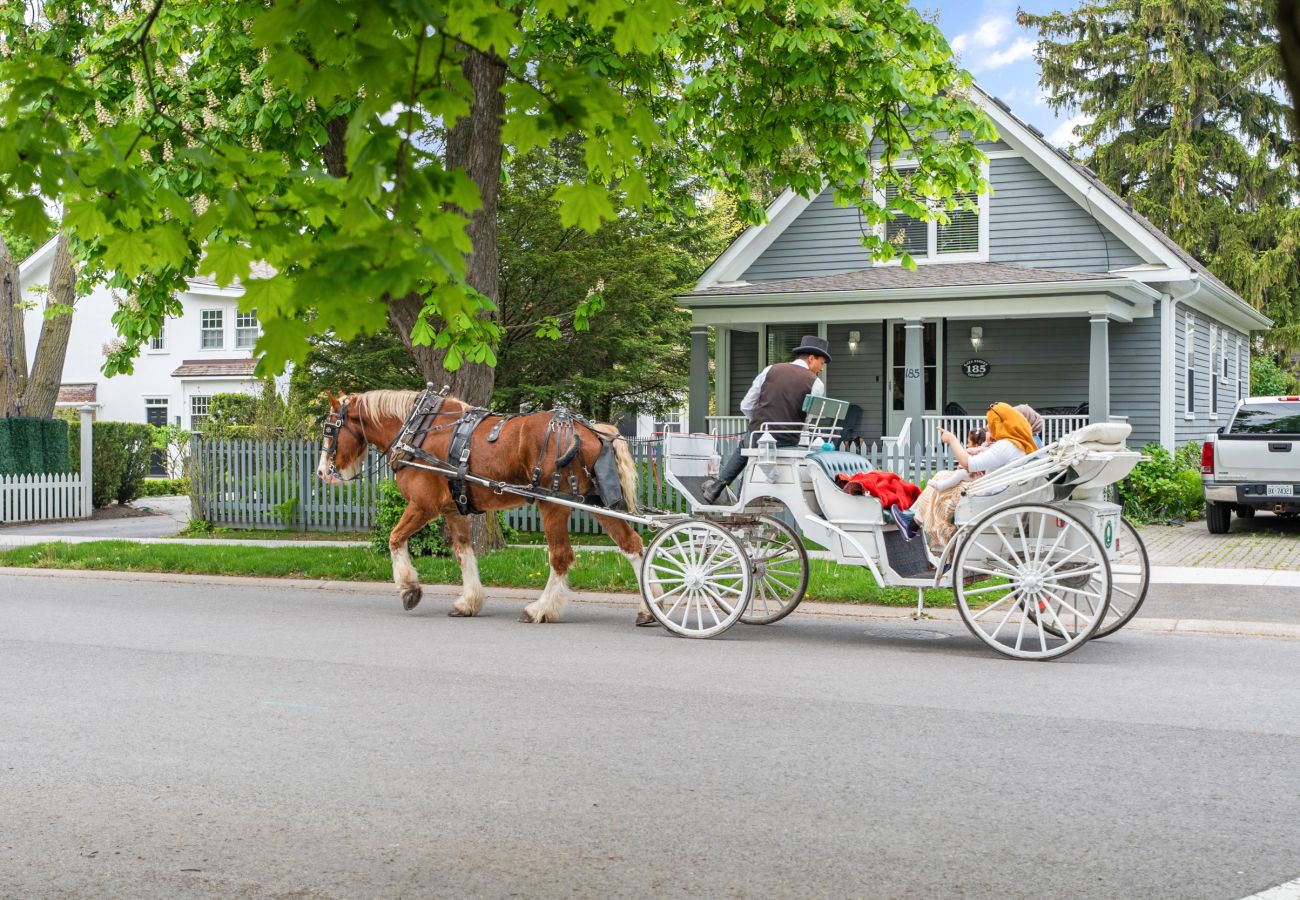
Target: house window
(781,339)
(1189,367)
(1216,370)
(1243,370)
(212,329)
(199,407)
(246,330)
(963,237)
(159,341)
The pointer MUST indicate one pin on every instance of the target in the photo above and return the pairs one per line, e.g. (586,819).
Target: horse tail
(626,464)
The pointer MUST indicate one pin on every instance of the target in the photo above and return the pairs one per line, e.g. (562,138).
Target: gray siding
(743,364)
(823,240)
(1042,362)
(1200,424)
(1033,223)
(1135,376)
(858,377)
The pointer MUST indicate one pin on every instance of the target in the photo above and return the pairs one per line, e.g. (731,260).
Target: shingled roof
(215,368)
(884,278)
(76,393)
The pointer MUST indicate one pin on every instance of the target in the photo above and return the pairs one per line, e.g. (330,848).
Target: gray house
(1055,293)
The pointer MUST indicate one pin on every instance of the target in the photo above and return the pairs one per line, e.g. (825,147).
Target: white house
(207,350)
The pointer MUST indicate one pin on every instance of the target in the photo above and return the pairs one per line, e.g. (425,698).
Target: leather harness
(562,426)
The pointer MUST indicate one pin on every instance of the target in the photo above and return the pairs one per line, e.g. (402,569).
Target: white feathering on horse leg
(549,607)
(405,577)
(471,596)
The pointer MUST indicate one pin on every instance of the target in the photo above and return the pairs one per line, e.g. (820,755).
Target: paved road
(165,740)
(171,514)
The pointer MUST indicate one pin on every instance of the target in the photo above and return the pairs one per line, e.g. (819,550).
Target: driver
(776,395)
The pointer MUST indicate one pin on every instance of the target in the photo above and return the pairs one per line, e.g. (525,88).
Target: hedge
(33,446)
(122,451)
(165,487)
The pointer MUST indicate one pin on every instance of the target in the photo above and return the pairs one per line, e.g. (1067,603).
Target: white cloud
(1063,135)
(1023,48)
(988,33)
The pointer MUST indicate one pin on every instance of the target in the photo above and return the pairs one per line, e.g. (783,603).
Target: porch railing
(725,426)
(1054,427)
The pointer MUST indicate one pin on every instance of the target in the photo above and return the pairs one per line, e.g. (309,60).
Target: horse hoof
(645,620)
(457,614)
(526,617)
(411,598)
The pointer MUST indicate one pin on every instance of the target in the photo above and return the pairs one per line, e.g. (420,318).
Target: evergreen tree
(1190,124)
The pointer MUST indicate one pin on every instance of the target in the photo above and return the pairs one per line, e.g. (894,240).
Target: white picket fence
(36,498)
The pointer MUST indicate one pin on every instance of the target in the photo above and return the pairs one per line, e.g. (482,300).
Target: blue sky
(1000,54)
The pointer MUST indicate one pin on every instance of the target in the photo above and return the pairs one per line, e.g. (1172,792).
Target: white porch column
(87,459)
(698,397)
(1099,370)
(914,374)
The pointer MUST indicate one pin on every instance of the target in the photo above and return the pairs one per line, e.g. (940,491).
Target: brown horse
(376,417)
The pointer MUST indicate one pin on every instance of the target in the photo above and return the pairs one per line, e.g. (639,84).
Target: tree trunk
(52,348)
(13,341)
(1288,26)
(474,144)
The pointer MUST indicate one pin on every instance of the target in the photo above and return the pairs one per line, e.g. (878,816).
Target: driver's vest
(780,399)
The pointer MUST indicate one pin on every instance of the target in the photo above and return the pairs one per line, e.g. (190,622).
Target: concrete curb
(1283,630)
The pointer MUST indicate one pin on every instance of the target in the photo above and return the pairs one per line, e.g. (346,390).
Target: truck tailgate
(1257,458)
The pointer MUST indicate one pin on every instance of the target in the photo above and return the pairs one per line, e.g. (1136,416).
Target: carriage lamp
(767,453)
(976,336)
(854,338)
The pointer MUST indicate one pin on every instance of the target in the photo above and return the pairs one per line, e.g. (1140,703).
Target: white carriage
(1040,563)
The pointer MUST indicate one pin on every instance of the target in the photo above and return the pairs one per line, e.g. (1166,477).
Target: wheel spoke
(996,603)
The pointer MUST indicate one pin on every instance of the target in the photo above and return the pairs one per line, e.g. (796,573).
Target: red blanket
(886,487)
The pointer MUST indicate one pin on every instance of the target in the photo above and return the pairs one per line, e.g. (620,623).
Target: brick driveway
(1264,542)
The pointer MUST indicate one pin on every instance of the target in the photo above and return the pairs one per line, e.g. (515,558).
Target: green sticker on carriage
(1109,533)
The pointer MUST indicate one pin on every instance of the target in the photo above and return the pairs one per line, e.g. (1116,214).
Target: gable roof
(215,368)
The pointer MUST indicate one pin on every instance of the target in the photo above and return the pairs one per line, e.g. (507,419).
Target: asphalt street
(190,740)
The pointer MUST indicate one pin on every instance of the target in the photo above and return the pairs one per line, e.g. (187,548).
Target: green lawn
(514,567)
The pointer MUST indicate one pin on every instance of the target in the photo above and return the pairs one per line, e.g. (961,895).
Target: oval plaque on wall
(975,368)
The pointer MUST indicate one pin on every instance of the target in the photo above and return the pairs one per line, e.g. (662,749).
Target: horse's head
(343,446)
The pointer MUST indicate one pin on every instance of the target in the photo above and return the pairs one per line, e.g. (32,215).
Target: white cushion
(1099,434)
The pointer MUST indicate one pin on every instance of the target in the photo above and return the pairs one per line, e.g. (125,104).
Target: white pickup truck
(1253,462)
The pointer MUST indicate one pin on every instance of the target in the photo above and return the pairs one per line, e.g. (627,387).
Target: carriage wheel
(696,579)
(1048,570)
(780,563)
(1126,594)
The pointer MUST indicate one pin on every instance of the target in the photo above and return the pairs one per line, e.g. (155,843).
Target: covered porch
(919,354)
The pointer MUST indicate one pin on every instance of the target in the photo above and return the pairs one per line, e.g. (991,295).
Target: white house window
(1189,367)
(963,238)
(159,341)
(212,329)
(1216,370)
(246,330)
(1243,370)
(1229,368)
(199,407)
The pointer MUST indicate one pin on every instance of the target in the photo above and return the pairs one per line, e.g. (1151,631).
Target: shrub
(121,452)
(1267,377)
(428,541)
(165,487)
(33,446)
(1165,487)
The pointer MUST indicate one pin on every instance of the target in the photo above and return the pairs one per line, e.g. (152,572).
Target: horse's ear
(334,401)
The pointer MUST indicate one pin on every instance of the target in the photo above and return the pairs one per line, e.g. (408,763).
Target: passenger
(1035,421)
(1011,438)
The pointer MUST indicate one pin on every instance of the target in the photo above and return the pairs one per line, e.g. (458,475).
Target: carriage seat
(1100,435)
(837,505)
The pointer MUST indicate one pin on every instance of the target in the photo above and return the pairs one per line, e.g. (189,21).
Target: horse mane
(389,404)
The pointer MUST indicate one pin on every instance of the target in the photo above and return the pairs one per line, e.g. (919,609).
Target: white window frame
(1216,370)
(207,409)
(932,255)
(1243,377)
(256,328)
(1189,368)
(159,344)
(220,330)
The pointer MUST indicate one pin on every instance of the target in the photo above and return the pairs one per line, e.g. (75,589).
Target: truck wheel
(1245,512)
(1218,516)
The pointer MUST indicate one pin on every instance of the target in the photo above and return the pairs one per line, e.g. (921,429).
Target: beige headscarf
(1032,417)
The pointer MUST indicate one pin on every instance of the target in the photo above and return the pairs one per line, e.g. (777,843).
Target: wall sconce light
(976,336)
(854,338)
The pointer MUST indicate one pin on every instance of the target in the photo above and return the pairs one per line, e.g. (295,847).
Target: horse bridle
(333,422)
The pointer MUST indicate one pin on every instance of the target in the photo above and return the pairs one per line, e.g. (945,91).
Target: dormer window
(964,238)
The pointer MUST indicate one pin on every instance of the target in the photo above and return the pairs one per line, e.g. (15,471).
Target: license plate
(1279,490)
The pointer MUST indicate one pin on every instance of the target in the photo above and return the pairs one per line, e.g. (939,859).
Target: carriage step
(907,558)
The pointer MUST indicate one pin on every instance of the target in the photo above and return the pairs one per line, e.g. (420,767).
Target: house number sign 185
(975,368)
